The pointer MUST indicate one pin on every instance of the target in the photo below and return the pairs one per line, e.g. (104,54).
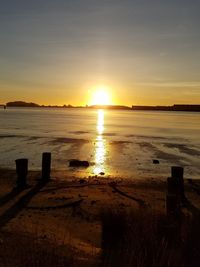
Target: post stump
(173,205)
(177,174)
(46,166)
(22,171)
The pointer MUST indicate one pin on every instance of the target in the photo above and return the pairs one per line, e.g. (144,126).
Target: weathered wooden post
(172,186)
(22,171)
(173,205)
(175,192)
(177,174)
(173,197)
(46,166)
(177,171)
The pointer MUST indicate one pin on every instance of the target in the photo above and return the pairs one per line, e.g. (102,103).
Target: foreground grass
(143,239)
(135,238)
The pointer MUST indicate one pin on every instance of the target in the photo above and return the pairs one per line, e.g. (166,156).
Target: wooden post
(172,186)
(173,205)
(22,171)
(46,166)
(177,171)
(177,174)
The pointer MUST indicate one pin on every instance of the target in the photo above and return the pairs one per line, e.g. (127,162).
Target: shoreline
(172,108)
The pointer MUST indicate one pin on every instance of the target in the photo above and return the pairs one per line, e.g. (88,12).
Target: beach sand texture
(66,211)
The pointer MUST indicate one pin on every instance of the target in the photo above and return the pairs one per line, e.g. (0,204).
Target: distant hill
(21,104)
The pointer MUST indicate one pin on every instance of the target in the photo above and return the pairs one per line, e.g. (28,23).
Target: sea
(116,143)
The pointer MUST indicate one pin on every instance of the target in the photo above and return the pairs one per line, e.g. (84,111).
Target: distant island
(34,105)
(175,107)
(21,104)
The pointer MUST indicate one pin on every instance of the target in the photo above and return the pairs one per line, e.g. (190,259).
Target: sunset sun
(100,96)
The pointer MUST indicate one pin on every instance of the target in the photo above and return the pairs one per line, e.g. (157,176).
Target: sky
(144,52)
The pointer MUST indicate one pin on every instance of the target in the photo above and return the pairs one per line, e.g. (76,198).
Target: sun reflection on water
(100,144)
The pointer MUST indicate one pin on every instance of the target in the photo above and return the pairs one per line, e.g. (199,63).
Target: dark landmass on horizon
(33,105)
(21,104)
(175,107)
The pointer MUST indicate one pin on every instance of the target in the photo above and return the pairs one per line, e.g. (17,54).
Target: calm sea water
(118,143)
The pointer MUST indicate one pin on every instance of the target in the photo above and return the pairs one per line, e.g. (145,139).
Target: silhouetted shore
(175,107)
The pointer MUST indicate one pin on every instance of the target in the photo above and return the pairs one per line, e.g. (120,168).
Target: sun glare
(100,97)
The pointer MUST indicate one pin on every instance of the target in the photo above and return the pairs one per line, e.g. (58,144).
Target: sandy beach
(66,211)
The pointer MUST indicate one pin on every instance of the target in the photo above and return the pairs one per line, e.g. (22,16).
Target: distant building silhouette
(176,107)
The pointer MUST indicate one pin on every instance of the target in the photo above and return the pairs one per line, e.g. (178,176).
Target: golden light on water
(100,144)
(100,122)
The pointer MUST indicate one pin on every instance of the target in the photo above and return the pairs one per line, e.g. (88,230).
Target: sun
(100,96)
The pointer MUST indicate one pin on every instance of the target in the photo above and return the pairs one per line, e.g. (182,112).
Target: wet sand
(67,210)
(118,143)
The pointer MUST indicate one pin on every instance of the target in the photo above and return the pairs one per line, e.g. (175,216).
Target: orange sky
(58,52)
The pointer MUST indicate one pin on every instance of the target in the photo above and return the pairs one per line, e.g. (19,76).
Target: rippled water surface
(119,143)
